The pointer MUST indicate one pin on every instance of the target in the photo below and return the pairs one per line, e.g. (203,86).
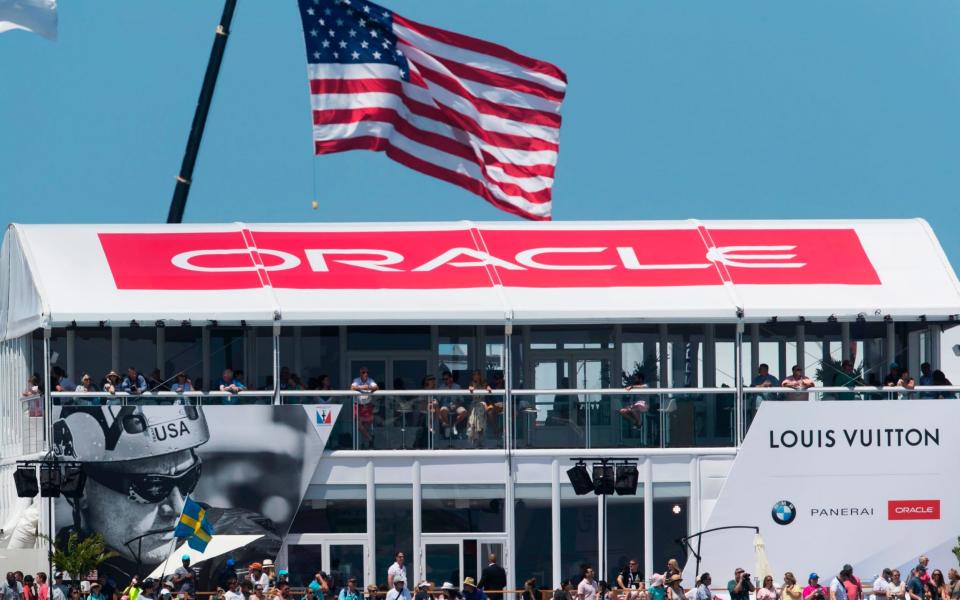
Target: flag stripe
(430,168)
(374,87)
(507,82)
(451,84)
(529,188)
(483,47)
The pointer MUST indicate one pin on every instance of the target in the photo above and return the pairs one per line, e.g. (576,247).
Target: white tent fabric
(464,272)
(219,544)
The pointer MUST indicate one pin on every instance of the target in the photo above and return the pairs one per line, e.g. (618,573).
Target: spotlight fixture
(676,509)
(74,480)
(580,479)
(604,482)
(627,476)
(25,478)
(50,478)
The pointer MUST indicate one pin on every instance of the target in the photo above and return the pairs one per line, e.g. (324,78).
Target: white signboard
(867,483)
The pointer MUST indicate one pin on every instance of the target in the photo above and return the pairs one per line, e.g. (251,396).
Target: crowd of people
(261,581)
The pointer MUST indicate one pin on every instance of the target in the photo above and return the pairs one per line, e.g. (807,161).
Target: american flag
(464,110)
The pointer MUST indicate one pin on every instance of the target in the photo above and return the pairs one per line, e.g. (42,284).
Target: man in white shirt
(587,589)
(399,589)
(364,383)
(232,593)
(798,381)
(397,569)
(881,587)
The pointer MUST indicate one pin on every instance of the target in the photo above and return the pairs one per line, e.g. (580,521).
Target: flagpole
(179,202)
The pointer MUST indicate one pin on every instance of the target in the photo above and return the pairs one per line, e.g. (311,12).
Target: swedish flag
(194,526)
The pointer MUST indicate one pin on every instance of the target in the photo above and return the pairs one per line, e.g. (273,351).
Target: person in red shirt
(43,590)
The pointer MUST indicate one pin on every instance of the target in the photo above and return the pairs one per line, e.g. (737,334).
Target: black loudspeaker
(50,481)
(627,476)
(603,480)
(74,480)
(25,478)
(580,479)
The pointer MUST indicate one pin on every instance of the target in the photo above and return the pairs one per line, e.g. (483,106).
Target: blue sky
(674,110)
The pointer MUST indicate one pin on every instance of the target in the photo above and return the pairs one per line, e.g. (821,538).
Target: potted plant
(79,556)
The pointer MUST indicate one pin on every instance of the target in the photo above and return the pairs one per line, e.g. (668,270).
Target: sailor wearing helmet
(141,462)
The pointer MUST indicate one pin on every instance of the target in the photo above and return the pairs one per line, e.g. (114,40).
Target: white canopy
(464,272)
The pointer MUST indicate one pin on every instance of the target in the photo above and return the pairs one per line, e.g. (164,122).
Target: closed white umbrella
(762,566)
(219,544)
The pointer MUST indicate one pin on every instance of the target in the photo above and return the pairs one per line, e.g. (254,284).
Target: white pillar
(710,356)
(162,351)
(801,346)
(890,348)
(754,350)
(648,516)
(510,564)
(845,341)
(693,508)
(372,526)
(419,572)
(555,547)
(115,349)
(934,335)
(601,538)
(205,358)
(72,354)
(663,354)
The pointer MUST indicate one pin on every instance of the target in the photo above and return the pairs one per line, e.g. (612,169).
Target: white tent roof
(463,272)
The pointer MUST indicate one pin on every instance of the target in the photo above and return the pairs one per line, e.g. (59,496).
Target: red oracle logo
(913,510)
(478,258)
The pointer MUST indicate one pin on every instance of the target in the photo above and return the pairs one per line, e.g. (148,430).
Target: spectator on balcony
(111,382)
(156,382)
(87,384)
(906,381)
(479,410)
(847,377)
(926,374)
(763,377)
(133,383)
(365,383)
(181,384)
(62,383)
(892,376)
(229,383)
(635,406)
(797,381)
(940,379)
(34,387)
(450,409)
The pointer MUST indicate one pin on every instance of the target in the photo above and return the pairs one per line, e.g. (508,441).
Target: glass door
(442,562)
(340,557)
(452,557)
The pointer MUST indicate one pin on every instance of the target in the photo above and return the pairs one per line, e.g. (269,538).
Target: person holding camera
(740,586)
(814,591)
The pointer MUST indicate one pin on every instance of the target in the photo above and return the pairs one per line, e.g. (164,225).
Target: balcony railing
(541,419)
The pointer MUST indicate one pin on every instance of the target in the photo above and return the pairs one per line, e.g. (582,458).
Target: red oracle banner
(479,258)
(913,510)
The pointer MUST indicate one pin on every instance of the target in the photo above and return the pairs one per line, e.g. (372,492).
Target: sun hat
(469,582)
(447,586)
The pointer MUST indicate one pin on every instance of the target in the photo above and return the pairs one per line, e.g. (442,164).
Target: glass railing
(23,432)
(411,419)
(541,419)
(755,396)
(160,398)
(617,418)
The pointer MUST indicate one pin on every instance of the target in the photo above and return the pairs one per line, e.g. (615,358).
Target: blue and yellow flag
(194,526)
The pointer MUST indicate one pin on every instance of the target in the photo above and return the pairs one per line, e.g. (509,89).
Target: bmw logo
(784,512)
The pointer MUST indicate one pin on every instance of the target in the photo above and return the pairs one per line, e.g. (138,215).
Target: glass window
(624,530)
(332,509)
(455,351)
(670,522)
(92,350)
(138,349)
(394,523)
(578,527)
(226,351)
(462,508)
(321,355)
(388,338)
(572,338)
(533,526)
(182,351)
